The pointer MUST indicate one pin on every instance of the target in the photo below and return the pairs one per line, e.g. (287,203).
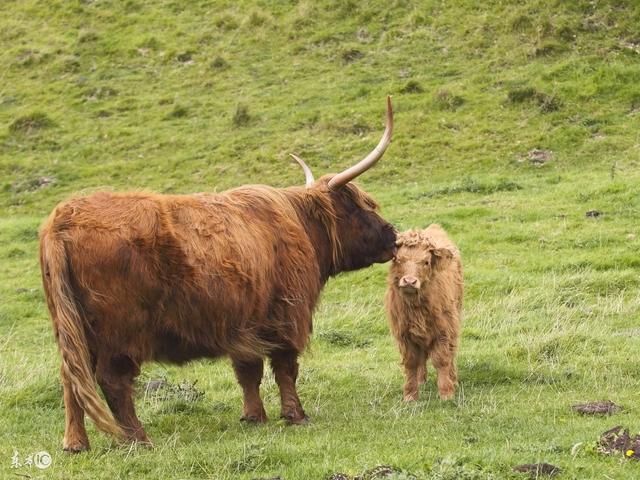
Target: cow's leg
(413,360)
(285,368)
(422,372)
(249,374)
(75,436)
(443,358)
(115,375)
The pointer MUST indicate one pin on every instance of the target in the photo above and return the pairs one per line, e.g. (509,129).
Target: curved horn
(370,160)
(308,176)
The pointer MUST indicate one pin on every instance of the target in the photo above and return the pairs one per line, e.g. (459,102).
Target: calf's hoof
(446,395)
(410,396)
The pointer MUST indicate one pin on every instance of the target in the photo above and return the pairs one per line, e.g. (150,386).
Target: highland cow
(423,302)
(138,277)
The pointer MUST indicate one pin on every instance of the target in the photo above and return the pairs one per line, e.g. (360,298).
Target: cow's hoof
(146,443)
(253,419)
(296,419)
(76,447)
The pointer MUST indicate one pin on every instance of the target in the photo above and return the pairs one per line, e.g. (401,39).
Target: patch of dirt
(185,57)
(32,184)
(535,470)
(593,213)
(539,157)
(364,36)
(155,385)
(379,472)
(617,440)
(352,55)
(412,87)
(31,123)
(606,407)
(100,93)
(629,332)
(161,389)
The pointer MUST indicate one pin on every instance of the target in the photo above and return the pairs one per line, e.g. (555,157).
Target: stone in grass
(606,407)
(617,440)
(593,213)
(536,470)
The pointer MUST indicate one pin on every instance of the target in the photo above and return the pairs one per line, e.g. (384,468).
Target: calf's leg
(413,359)
(75,436)
(285,368)
(443,358)
(115,375)
(249,375)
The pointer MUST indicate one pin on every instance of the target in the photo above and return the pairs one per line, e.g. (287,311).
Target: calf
(423,302)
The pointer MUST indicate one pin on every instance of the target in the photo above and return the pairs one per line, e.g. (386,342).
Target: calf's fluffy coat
(423,302)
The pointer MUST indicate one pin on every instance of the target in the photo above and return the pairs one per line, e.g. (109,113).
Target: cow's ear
(441,257)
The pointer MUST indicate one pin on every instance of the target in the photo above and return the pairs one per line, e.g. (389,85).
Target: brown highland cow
(137,277)
(423,301)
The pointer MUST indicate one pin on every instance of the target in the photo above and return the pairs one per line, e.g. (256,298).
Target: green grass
(201,96)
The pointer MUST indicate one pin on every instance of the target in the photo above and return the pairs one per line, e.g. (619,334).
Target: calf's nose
(409,281)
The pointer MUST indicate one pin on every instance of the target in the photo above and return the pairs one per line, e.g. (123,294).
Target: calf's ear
(441,257)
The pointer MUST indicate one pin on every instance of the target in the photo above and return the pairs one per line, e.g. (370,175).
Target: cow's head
(364,237)
(416,260)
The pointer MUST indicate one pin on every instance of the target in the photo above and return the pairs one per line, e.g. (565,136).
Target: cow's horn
(308,176)
(369,161)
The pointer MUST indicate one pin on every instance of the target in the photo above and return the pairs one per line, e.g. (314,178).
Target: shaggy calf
(423,301)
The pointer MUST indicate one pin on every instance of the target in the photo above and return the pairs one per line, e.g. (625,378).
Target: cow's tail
(72,340)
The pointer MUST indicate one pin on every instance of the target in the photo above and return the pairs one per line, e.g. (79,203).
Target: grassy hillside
(512,122)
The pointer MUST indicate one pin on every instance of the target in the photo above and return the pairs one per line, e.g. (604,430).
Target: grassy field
(512,122)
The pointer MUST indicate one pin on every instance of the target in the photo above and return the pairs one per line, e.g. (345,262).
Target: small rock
(631,236)
(593,213)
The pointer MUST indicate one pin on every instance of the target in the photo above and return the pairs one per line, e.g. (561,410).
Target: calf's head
(363,236)
(416,261)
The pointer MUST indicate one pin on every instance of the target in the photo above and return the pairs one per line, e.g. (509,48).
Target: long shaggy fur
(136,277)
(426,322)
(70,335)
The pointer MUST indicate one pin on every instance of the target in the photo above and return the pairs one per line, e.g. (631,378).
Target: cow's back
(176,277)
